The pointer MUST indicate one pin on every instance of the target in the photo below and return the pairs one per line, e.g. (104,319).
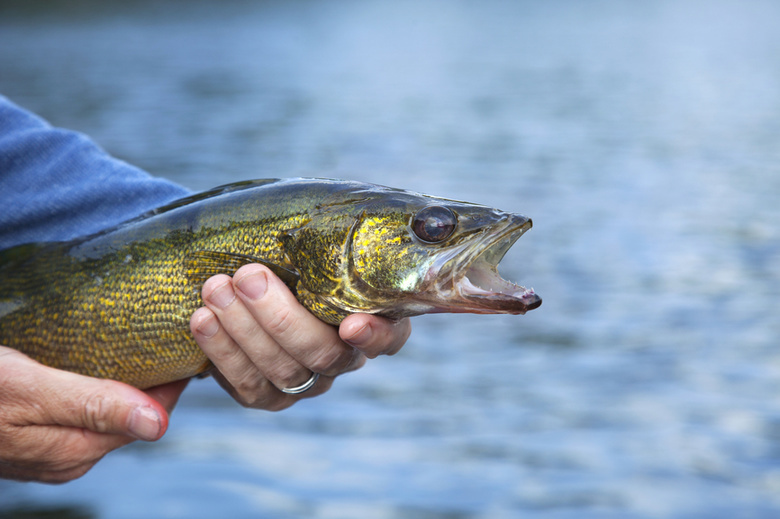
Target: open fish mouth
(477,287)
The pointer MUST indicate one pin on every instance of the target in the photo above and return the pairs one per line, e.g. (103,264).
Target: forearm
(57,184)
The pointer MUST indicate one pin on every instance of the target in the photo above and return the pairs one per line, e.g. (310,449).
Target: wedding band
(297,390)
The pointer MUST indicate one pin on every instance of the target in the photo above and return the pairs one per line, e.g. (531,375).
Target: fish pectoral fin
(201,265)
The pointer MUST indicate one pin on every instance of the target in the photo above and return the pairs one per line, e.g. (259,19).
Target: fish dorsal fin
(211,193)
(201,265)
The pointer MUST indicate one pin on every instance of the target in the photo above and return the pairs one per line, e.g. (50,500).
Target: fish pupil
(434,224)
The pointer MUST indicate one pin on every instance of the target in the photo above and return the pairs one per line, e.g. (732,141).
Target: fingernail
(208,327)
(223,295)
(253,285)
(145,423)
(360,336)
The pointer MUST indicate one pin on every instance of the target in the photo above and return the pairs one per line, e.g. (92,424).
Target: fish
(117,304)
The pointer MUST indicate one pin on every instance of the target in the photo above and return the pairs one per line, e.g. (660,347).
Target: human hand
(262,340)
(55,425)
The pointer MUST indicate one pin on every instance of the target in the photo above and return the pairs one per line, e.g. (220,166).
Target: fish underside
(117,304)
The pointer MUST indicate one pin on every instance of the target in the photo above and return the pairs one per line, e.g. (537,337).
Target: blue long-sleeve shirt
(57,184)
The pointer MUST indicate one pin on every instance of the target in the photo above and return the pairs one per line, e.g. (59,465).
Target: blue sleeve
(57,184)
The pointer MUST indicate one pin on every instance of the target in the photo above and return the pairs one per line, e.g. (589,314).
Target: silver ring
(297,390)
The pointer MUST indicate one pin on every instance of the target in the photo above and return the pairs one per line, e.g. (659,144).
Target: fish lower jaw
(489,293)
(480,289)
(468,289)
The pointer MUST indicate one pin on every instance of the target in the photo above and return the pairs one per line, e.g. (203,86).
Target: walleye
(117,304)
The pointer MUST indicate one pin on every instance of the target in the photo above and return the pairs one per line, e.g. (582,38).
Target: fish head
(411,254)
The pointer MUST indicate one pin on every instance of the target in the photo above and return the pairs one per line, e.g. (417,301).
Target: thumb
(103,406)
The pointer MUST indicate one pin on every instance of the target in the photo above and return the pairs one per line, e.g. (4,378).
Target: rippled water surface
(642,137)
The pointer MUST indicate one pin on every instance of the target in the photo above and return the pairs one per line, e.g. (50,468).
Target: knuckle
(249,389)
(95,415)
(260,393)
(222,352)
(281,323)
(269,400)
(332,361)
(204,325)
(212,284)
(249,392)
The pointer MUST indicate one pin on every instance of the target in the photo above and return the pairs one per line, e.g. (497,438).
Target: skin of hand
(261,340)
(55,425)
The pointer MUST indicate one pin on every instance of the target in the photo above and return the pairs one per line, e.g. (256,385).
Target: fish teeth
(524,293)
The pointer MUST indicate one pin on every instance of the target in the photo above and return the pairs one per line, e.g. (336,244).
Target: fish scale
(117,304)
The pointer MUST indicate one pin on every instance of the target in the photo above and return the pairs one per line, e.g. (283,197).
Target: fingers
(262,340)
(102,406)
(375,336)
(226,355)
(308,340)
(71,400)
(248,331)
(55,425)
(241,376)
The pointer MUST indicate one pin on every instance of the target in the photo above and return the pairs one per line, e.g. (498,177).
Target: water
(641,137)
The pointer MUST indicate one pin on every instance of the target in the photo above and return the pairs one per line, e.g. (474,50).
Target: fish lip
(472,283)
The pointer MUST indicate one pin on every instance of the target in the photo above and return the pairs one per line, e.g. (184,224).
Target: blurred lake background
(643,138)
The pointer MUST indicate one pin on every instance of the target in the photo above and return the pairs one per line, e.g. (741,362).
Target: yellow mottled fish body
(117,304)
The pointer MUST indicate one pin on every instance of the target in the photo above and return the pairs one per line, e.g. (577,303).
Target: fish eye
(434,224)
